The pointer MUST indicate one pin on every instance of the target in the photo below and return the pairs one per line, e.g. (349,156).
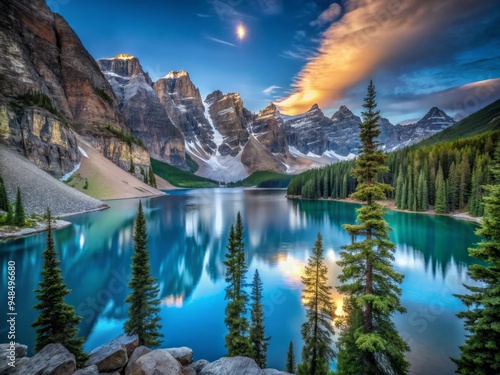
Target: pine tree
(237,341)
(4,199)
(152,178)
(257,336)
(57,322)
(317,331)
(440,204)
(19,215)
(367,272)
(291,365)
(348,359)
(143,319)
(480,355)
(399,190)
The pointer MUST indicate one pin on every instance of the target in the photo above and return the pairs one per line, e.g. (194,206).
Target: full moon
(240,31)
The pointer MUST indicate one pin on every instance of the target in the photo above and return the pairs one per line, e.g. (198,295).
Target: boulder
(157,362)
(189,370)
(183,354)
(91,370)
(199,365)
(114,354)
(232,366)
(54,359)
(271,371)
(139,352)
(6,350)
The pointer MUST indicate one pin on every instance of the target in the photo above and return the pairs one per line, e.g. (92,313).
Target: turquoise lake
(188,231)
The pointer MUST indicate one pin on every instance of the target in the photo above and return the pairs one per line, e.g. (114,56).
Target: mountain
(435,121)
(144,113)
(487,118)
(182,101)
(51,87)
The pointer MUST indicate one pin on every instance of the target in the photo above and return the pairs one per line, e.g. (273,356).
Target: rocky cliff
(182,101)
(142,109)
(44,65)
(230,119)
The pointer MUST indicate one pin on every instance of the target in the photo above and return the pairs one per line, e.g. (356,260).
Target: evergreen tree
(317,331)
(367,272)
(19,215)
(237,341)
(399,190)
(290,365)
(152,178)
(480,355)
(57,321)
(440,204)
(143,319)
(4,199)
(257,335)
(348,359)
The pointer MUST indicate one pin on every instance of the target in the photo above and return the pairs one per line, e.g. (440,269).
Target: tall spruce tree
(257,335)
(291,365)
(317,331)
(144,305)
(480,355)
(367,275)
(4,199)
(19,215)
(237,341)
(57,322)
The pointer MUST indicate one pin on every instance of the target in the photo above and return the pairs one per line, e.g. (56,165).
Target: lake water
(188,231)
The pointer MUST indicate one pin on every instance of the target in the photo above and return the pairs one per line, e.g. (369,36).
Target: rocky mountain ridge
(52,90)
(51,87)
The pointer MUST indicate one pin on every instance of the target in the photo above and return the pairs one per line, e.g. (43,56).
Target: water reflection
(187,240)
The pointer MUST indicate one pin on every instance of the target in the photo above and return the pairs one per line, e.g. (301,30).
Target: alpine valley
(55,100)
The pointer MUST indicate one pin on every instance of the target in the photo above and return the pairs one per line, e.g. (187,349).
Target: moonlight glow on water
(188,233)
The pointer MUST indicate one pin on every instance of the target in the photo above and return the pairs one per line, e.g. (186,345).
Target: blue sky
(296,53)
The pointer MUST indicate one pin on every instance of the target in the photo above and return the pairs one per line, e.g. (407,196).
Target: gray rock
(183,354)
(114,354)
(136,354)
(157,362)
(232,366)
(54,359)
(199,365)
(10,353)
(189,370)
(91,370)
(271,371)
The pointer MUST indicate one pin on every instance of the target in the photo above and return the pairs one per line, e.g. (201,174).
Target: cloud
(270,89)
(328,15)
(201,15)
(221,41)
(394,36)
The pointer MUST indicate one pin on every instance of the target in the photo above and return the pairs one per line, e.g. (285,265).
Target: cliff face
(42,54)
(184,106)
(230,119)
(143,110)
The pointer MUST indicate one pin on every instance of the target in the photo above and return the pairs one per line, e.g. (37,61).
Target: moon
(241,31)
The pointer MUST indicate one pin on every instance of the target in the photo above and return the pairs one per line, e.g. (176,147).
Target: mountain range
(53,92)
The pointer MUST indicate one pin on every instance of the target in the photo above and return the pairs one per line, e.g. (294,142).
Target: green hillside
(180,178)
(479,122)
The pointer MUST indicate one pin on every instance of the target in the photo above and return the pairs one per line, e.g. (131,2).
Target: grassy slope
(180,178)
(265,179)
(479,122)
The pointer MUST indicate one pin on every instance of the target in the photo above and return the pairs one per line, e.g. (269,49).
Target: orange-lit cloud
(371,34)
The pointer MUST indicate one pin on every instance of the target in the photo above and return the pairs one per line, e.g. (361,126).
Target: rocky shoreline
(123,356)
(7,232)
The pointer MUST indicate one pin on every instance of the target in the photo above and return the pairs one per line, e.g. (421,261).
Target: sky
(419,53)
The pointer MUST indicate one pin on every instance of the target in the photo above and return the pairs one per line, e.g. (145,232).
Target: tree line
(14,211)
(447,176)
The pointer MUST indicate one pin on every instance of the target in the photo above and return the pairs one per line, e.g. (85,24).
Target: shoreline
(5,234)
(389,204)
